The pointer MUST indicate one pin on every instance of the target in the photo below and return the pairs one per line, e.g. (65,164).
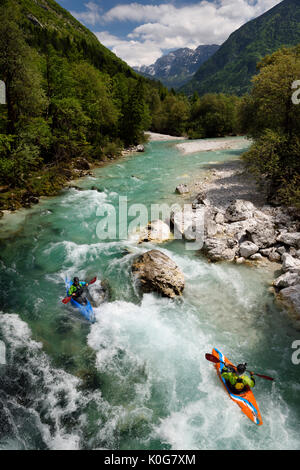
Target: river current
(137,378)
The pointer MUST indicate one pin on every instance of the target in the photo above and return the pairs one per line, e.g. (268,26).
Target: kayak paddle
(67,299)
(212,358)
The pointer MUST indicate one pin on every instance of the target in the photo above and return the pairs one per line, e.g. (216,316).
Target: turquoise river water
(137,378)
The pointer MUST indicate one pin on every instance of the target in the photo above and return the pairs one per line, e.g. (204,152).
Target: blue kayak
(85,310)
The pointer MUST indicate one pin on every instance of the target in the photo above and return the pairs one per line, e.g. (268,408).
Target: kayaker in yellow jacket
(236,379)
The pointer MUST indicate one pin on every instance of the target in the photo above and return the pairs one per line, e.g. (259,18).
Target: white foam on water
(167,340)
(48,384)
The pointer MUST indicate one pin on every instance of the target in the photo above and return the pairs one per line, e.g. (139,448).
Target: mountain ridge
(177,67)
(230,69)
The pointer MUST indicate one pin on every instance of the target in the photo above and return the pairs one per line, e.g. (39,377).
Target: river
(137,378)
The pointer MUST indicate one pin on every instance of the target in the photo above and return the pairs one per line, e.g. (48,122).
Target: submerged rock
(182,189)
(156,272)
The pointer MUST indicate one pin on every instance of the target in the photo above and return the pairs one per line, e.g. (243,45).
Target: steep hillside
(49,23)
(230,69)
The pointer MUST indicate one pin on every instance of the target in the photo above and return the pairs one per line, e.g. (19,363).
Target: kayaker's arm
(250,381)
(72,290)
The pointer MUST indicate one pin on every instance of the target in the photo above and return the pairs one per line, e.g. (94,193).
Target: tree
(19,70)
(269,106)
(213,115)
(93,89)
(270,117)
(136,115)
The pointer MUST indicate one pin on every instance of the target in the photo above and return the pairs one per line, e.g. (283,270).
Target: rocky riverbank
(207,145)
(239,226)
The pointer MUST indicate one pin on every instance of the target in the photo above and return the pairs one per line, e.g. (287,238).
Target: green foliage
(136,114)
(270,117)
(213,116)
(15,167)
(68,96)
(63,101)
(172,115)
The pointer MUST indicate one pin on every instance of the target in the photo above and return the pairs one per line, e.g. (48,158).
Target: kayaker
(235,378)
(76,290)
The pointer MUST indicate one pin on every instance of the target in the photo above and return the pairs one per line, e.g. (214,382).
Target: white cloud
(91,16)
(166,26)
(135,53)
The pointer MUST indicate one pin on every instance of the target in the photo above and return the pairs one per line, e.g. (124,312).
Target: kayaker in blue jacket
(76,290)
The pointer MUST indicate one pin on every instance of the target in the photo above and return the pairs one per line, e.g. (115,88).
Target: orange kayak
(245,400)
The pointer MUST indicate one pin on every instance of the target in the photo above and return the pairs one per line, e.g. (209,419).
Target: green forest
(68,98)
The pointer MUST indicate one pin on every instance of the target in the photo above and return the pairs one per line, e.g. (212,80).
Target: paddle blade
(212,358)
(264,376)
(66,300)
(93,281)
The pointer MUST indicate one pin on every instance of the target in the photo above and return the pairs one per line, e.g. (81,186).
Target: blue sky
(141,31)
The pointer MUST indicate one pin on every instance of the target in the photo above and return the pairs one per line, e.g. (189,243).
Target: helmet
(241,369)
(76,280)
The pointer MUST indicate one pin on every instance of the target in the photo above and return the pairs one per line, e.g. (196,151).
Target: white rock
(287,279)
(291,239)
(289,263)
(256,257)
(281,250)
(274,256)
(189,223)
(220,219)
(247,249)
(182,189)
(290,296)
(263,234)
(156,231)
(239,210)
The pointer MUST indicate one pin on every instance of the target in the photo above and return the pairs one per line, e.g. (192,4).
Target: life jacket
(76,289)
(239,384)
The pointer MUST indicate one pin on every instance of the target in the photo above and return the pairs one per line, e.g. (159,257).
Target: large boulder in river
(156,272)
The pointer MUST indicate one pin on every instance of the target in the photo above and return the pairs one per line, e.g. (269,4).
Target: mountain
(230,69)
(177,67)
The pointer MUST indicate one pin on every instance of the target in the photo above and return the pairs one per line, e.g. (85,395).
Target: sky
(140,32)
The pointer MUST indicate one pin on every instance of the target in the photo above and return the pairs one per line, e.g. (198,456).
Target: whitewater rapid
(146,354)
